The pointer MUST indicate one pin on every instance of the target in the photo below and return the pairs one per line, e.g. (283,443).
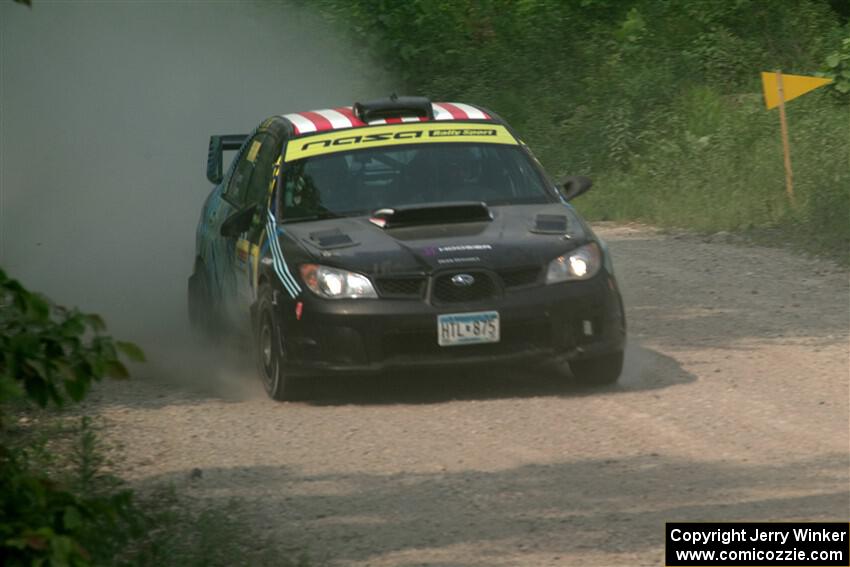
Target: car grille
(519,277)
(446,291)
(403,287)
(486,285)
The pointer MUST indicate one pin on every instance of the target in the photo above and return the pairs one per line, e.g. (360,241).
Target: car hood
(518,235)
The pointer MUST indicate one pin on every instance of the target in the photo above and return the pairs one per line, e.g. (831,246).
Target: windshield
(359,182)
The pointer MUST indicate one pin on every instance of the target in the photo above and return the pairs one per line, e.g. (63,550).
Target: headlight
(336,284)
(580,264)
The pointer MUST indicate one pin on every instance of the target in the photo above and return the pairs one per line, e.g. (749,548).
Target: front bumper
(537,323)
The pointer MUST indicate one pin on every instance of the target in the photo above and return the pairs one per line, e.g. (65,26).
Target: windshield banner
(394,135)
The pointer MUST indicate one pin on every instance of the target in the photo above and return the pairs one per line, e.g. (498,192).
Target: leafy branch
(49,355)
(52,354)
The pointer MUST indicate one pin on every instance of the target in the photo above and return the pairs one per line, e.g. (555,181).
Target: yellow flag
(792,87)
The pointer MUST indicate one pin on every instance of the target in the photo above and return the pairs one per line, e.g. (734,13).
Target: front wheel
(598,371)
(270,355)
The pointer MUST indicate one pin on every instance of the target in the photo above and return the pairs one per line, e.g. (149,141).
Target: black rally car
(400,233)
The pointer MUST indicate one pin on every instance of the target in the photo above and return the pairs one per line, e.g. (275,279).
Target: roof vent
(394,107)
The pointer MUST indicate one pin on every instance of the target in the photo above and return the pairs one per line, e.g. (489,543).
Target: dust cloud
(106,109)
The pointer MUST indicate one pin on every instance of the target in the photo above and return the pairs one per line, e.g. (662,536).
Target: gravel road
(733,406)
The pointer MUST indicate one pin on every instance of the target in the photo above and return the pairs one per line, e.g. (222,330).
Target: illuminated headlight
(579,264)
(336,284)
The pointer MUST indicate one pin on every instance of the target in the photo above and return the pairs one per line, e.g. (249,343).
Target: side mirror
(574,185)
(238,222)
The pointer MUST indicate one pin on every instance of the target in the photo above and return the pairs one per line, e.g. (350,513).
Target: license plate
(468,328)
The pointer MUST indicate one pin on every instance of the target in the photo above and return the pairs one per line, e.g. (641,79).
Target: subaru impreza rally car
(400,233)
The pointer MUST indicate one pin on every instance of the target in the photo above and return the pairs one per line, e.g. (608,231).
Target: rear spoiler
(218,145)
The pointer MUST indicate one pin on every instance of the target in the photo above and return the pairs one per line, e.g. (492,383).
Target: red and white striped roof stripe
(343,117)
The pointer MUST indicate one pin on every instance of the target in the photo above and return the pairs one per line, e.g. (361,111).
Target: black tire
(202,314)
(271,359)
(598,371)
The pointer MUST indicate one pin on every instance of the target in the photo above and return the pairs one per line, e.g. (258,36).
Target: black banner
(758,544)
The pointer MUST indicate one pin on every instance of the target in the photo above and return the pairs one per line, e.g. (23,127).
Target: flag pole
(783,122)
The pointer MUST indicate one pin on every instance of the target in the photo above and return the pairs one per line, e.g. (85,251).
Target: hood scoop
(333,238)
(550,224)
(418,215)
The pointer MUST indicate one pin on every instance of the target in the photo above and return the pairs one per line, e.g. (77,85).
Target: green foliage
(837,67)
(57,505)
(722,170)
(659,100)
(44,523)
(49,355)
(158,528)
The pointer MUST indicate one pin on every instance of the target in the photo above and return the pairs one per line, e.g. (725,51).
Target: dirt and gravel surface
(733,406)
